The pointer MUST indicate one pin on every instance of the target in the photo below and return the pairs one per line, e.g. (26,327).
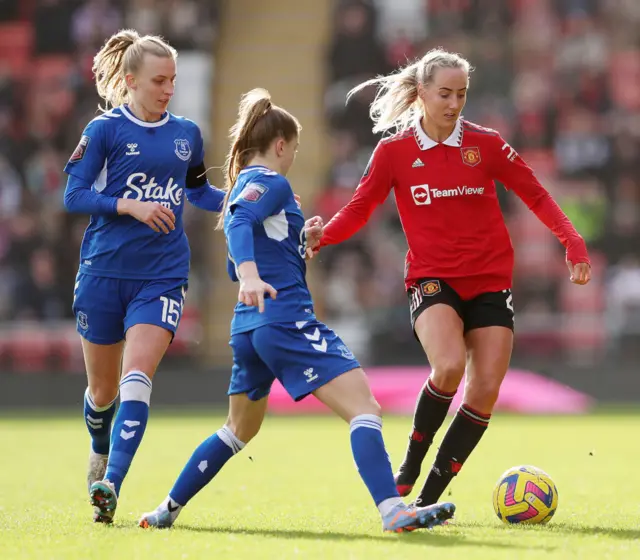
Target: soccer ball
(525,494)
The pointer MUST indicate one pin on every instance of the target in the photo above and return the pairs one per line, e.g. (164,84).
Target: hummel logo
(308,373)
(171,507)
(417,163)
(132,150)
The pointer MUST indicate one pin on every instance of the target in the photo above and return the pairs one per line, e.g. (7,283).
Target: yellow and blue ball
(525,494)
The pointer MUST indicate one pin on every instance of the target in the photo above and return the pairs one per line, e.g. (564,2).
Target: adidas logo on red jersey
(417,163)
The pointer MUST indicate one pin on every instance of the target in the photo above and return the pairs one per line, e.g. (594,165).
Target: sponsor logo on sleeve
(80,150)
(253,192)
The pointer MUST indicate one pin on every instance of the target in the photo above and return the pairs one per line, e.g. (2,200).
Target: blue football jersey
(124,157)
(279,248)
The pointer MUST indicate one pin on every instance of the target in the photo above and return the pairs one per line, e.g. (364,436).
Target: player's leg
(349,396)
(245,419)
(152,317)
(99,320)
(250,385)
(309,358)
(435,311)
(102,363)
(489,351)
(145,346)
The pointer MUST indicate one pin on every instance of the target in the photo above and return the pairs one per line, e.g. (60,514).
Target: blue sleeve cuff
(206,197)
(108,204)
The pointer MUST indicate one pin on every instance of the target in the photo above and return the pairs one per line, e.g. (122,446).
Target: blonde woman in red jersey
(460,261)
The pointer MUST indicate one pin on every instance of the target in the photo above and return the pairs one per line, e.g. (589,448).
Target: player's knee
(481,395)
(367,405)
(104,394)
(243,430)
(142,362)
(447,372)
(373,407)
(145,347)
(246,433)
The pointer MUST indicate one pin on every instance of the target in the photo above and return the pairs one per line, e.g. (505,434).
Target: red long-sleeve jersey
(446,198)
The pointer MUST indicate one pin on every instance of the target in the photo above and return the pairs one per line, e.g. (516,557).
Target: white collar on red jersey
(425,143)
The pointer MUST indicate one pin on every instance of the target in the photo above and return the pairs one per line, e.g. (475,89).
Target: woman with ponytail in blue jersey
(131,170)
(279,336)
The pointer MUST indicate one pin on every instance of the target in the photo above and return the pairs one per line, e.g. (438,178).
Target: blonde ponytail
(259,123)
(253,105)
(122,54)
(396,102)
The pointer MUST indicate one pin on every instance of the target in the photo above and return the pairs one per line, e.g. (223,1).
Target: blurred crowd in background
(560,80)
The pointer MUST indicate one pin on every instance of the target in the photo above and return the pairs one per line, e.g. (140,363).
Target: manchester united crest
(430,287)
(470,156)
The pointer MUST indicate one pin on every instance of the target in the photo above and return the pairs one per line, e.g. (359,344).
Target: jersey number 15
(171,310)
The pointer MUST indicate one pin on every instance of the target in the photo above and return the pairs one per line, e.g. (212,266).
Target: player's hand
(313,233)
(580,273)
(252,291)
(156,216)
(252,288)
(297,199)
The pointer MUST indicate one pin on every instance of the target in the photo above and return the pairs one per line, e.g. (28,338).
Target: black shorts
(491,309)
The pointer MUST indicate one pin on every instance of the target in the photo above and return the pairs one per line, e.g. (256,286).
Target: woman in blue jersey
(132,166)
(280,337)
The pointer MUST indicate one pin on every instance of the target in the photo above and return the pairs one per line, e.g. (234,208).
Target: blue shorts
(105,308)
(303,356)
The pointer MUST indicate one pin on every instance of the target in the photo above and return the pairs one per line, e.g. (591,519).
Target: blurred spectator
(143,16)
(10,190)
(52,26)
(37,295)
(623,309)
(355,55)
(580,144)
(93,22)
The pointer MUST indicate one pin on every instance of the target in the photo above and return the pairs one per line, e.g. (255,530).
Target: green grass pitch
(294,493)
